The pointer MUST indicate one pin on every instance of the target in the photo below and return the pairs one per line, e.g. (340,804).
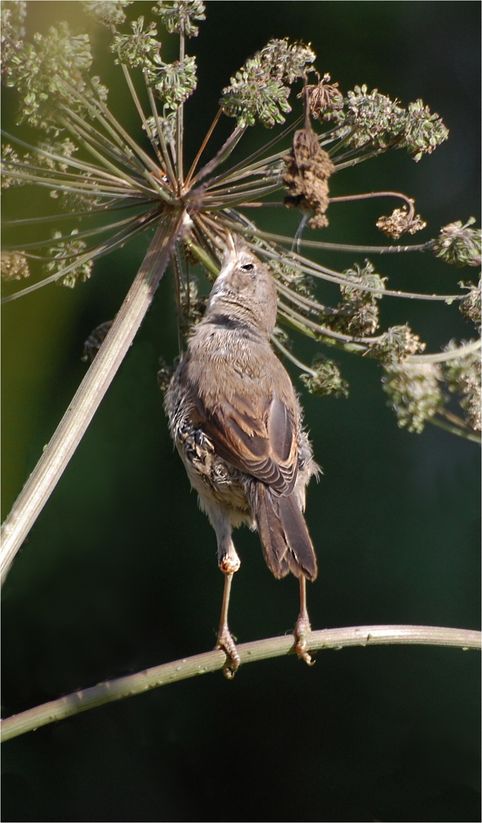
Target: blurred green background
(119,572)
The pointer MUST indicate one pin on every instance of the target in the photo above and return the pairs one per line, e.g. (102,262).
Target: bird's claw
(226,643)
(302,628)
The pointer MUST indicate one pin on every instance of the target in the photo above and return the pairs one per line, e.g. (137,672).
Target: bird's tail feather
(284,535)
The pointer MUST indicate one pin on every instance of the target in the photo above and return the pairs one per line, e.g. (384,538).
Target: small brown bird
(237,424)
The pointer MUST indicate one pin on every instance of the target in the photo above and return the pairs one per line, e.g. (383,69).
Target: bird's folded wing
(257,436)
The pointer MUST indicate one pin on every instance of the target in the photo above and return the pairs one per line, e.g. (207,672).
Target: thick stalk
(132,684)
(76,419)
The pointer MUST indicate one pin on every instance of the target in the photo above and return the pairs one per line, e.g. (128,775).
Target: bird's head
(245,289)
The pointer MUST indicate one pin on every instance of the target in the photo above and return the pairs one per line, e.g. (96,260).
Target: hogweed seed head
(68,250)
(470,306)
(462,375)
(414,394)
(325,379)
(396,344)
(109,13)
(357,313)
(399,222)
(260,89)
(14,266)
(180,16)
(322,97)
(139,49)
(459,244)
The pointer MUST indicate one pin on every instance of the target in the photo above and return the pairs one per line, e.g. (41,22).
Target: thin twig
(450,354)
(139,224)
(180,120)
(75,421)
(290,356)
(226,149)
(203,145)
(133,684)
(455,429)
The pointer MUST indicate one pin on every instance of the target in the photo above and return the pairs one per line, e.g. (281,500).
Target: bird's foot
(230,563)
(226,643)
(301,630)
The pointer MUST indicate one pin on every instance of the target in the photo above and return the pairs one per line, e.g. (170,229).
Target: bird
(237,424)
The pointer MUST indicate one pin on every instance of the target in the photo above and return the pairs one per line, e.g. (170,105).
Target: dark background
(119,572)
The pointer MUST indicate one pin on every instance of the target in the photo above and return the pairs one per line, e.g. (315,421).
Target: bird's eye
(247,267)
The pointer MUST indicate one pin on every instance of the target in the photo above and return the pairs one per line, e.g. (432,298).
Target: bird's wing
(257,435)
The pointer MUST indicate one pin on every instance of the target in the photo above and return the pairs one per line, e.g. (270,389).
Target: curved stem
(289,356)
(132,684)
(347,247)
(92,389)
(349,198)
(443,356)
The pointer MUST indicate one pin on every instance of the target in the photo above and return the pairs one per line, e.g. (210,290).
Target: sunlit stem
(369,155)
(345,247)
(148,162)
(208,235)
(140,110)
(177,670)
(112,243)
(180,123)
(202,255)
(56,455)
(59,158)
(92,180)
(362,342)
(203,145)
(248,163)
(162,141)
(300,299)
(226,149)
(460,431)
(235,199)
(300,327)
(348,198)
(81,187)
(126,164)
(442,357)
(80,235)
(290,356)
(100,112)
(50,218)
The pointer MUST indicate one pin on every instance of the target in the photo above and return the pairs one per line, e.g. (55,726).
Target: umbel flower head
(111,184)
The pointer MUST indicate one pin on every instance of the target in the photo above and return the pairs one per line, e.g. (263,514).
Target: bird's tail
(284,535)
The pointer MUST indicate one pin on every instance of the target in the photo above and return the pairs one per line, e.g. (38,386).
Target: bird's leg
(229,563)
(302,626)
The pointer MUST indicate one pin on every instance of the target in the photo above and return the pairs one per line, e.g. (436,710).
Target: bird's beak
(230,252)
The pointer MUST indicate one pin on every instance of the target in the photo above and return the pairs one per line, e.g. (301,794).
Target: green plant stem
(450,354)
(226,149)
(180,121)
(76,419)
(289,356)
(457,430)
(326,639)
